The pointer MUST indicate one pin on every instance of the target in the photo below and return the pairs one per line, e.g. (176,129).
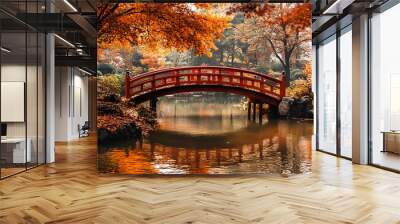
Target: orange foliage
(301,88)
(170,25)
(307,70)
(251,9)
(153,61)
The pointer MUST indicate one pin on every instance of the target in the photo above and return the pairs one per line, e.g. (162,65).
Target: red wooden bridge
(258,87)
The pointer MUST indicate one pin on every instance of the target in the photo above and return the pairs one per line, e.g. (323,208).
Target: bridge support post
(260,112)
(273,112)
(254,111)
(153,104)
(249,110)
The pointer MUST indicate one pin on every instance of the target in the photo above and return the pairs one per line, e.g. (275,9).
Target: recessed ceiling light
(337,7)
(84,71)
(70,5)
(64,40)
(5,50)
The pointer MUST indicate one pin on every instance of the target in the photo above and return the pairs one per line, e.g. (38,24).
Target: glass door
(385,89)
(326,104)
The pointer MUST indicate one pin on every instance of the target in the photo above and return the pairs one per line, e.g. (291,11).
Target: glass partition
(326,104)
(346,92)
(14,153)
(22,77)
(385,89)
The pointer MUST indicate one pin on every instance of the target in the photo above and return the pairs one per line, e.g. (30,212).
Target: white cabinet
(17,146)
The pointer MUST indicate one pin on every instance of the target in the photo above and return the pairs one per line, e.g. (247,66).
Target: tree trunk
(233,54)
(287,74)
(287,70)
(255,56)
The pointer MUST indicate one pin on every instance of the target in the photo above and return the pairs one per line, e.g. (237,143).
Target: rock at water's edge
(296,108)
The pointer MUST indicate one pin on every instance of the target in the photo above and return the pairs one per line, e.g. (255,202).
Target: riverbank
(119,119)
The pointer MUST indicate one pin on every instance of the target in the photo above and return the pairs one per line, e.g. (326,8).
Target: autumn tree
(153,62)
(285,28)
(169,25)
(235,49)
(257,52)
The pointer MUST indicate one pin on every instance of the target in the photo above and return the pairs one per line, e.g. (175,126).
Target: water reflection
(214,145)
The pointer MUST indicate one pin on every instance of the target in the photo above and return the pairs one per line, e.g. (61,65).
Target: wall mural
(204,88)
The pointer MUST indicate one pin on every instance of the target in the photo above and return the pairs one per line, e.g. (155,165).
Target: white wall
(16,73)
(80,110)
(62,82)
(71,102)
(12,73)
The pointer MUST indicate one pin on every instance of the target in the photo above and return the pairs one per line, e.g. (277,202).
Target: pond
(212,138)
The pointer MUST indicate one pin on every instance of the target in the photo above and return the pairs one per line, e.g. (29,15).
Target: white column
(314,90)
(63,99)
(50,98)
(360,90)
(92,100)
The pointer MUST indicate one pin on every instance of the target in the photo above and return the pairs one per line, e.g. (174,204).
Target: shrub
(298,91)
(105,68)
(112,98)
(147,116)
(297,74)
(109,84)
(107,108)
(276,67)
(262,69)
(116,128)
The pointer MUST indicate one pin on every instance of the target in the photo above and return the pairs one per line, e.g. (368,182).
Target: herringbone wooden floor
(71,191)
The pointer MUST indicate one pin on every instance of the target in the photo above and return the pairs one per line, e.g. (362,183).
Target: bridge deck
(207,77)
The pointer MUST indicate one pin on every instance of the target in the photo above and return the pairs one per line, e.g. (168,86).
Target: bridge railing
(225,76)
